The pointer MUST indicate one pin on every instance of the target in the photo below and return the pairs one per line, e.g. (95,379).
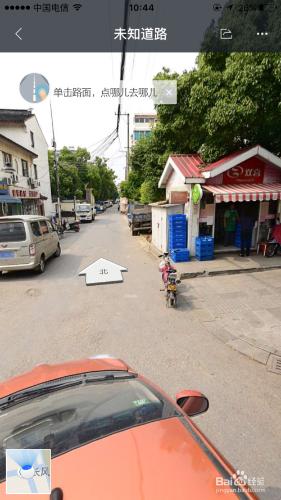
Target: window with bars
(24,166)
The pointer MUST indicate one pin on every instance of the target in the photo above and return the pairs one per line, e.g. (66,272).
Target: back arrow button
(17,33)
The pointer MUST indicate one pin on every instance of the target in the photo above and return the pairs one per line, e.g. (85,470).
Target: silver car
(27,242)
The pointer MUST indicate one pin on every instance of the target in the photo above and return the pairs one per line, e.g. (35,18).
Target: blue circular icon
(34,88)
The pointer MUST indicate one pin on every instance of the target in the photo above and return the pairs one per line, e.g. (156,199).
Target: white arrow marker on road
(103,271)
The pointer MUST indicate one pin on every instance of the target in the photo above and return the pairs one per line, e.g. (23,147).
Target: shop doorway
(251,208)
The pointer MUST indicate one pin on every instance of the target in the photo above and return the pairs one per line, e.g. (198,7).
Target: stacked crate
(178,238)
(204,248)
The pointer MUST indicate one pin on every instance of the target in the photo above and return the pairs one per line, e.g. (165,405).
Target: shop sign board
(24,193)
(250,171)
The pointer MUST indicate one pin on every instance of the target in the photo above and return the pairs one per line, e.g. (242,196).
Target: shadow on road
(66,266)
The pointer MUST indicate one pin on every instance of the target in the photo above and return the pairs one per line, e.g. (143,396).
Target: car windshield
(12,231)
(83,208)
(71,417)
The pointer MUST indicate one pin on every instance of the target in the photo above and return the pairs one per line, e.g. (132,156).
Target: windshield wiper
(109,376)
(46,388)
(33,393)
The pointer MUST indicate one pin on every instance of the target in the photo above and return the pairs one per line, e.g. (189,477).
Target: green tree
(77,173)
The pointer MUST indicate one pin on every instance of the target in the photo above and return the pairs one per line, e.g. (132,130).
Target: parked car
(99,208)
(112,434)
(27,242)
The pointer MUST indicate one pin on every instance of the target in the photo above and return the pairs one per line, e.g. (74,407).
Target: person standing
(247,224)
(230,220)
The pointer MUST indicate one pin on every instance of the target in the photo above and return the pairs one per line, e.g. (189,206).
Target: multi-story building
(24,166)
(17,193)
(143,123)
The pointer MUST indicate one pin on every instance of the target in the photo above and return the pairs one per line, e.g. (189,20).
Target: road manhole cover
(274,364)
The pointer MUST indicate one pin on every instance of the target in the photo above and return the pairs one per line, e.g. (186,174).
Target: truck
(140,220)
(85,211)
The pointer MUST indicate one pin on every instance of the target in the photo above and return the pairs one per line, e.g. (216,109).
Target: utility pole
(128,143)
(56,166)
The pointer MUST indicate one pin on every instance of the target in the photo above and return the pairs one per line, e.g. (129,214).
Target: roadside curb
(206,273)
(265,355)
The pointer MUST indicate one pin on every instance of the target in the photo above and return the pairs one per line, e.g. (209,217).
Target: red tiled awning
(244,192)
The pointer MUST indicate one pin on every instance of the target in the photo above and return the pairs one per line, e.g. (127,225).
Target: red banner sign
(24,193)
(250,171)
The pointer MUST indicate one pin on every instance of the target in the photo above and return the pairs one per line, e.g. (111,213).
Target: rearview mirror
(192,402)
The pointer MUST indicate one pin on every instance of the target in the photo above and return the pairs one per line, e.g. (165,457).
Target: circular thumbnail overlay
(34,87)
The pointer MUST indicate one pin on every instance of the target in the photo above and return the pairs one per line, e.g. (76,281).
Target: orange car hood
(156,461)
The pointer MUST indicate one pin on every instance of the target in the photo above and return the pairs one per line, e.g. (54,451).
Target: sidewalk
(240,305)
(227,264)
(223,263)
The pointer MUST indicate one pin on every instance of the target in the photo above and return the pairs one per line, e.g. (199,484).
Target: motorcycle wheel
(171,300)
(278,250)
(270,250)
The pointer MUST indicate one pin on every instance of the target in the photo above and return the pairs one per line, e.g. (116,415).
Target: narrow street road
(55,317)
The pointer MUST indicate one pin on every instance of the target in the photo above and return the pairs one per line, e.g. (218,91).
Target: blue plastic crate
(208,246)
(204,240)
(178,240)
(204,256)
(178,229)
(177,222)
(176,246)
(204,245)
(204,252)
(177,235)
(180,255)
(177,217)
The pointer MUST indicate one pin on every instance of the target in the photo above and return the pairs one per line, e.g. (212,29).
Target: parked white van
(27,242)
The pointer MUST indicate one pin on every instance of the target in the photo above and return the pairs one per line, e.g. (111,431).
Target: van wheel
(58,251)
(42,265)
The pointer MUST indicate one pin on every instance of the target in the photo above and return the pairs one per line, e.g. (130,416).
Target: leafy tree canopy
(227,102)
(77,173)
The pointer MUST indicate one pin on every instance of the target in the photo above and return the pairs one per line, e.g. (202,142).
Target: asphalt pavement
(55,317)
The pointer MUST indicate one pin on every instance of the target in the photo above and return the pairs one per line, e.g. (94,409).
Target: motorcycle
(169,277)
(273,246)
(73,226)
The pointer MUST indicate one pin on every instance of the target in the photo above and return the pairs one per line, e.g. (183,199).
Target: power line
(104,145)
(123,60)
(100,151)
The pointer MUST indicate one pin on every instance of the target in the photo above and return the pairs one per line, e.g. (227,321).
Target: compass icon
(34,87)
